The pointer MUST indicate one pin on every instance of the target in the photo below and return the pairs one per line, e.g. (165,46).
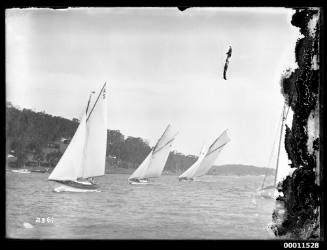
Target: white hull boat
(154,163)
(61,187)
(21,171)
(206,159)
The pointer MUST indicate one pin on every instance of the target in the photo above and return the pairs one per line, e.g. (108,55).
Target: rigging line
(212,144)
(272,151)
(88,103)
(155,151)
(96,101)
(280,138)
(154,148)
(202,149)
(209,153)
(84,148)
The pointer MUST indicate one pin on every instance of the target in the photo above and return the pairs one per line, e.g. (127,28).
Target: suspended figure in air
(229,54)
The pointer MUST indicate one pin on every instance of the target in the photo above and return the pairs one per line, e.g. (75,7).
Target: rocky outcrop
(297,214)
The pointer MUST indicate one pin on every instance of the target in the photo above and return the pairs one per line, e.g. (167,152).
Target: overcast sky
(162,66)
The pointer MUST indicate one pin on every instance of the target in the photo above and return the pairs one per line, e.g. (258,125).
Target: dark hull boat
(39,171)
(136,181)
(74,186)
(185,179)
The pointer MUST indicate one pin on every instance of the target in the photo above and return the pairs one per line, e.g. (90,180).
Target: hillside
(223,170)
(28,132)
(232,169)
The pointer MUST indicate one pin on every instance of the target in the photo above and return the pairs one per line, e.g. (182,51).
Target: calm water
(216,208)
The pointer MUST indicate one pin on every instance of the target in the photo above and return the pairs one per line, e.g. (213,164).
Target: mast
(88,103)
(280,139)
(155,147)
(96,101)
(155,150)
(213,144)
(96,137)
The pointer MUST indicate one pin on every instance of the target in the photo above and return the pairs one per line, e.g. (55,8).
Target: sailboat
(270,191)
(84,158)
(21,171)
(189,173)
(206,158)
(154,163)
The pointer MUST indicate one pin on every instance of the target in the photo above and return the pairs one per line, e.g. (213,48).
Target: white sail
(160,153)
(94,156)
(155,162)
(189,173)
(158,162)
(69,165)
(212,154)
(139,173)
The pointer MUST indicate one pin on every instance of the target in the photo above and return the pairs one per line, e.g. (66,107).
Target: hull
(185,179)
(138,182)
(75,187)
(22,171)
(38,171)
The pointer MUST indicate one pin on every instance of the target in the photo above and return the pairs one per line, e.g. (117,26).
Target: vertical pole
(280,138)
(88,103)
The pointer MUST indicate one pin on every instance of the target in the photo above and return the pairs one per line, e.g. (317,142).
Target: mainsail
(85,154)
(141,170)
(154,163)
(203,164)
(96,138)
(189,173)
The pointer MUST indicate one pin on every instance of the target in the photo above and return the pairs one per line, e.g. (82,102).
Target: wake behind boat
(154,163)
(206,159)
(84,157)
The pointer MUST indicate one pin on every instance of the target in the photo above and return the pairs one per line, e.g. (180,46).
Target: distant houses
(59,145)
(49,155)
(11,159)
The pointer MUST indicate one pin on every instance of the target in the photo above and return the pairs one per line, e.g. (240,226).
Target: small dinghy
(21,171)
